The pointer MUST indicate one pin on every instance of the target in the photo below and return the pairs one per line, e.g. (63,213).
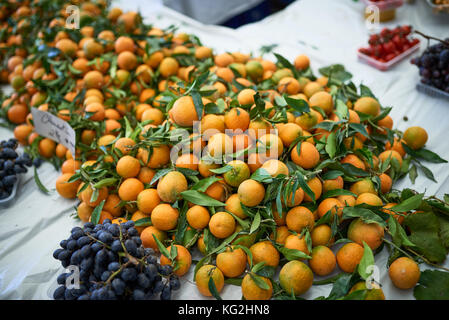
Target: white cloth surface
(328,31)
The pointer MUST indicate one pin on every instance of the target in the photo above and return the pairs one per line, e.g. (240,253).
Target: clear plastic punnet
(384,66)
(12,197)
(386,4)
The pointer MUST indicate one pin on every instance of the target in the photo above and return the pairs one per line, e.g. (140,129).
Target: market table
(328,31)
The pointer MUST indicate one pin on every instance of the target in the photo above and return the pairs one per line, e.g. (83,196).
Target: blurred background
(229,13)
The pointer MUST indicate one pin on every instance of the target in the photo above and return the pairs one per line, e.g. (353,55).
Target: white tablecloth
(328,31)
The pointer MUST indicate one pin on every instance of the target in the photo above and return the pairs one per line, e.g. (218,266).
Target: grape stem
(431,38)
(127,255)
(112,276)
(96,240)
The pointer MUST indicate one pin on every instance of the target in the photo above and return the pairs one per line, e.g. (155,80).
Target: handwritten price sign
(52,127)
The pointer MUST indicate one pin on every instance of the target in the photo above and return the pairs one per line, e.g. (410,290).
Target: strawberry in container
(389,47)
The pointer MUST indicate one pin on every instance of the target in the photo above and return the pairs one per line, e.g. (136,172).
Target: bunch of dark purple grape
(11,164)
(112,265)
(433,66)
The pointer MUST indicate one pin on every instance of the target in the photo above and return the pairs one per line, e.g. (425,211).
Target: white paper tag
(52,127)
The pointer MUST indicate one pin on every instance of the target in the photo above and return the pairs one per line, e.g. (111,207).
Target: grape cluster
(112,264)
(433,66)
(11,164)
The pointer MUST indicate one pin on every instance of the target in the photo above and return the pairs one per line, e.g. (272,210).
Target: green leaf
(213,289)
(189,173)
(248,253)
(259,281)
(326,219)
(366,215)
(221,170)
(336,73)
(105,183)
(308,238)
(427,172)
(234,281)
(304,186)
(293,254)
(181,228)
(267,272)
(173,252)
(366,92)
(446,198)
(258,267)
(359,128)
(444,229)
(338,192)
(410,204)
(433,285)
(210,241)
(382,115)
(366,262)
(256,223)
(331,145)
(95,217)
(201,199)
(203,184)
(190,237)
(144,222)
(332,174)
(298,105)
(327,125)
(342,110)
(199,264)
(262,176)
(95,195)
(159,174)
(283,61)
(244,223)
(343,284)
(198,102)
(128,128)
(425,228)
(225,242)
(413,173)
(356,295)
(39,183)
(351,170)
(161,247)
(423,154)
(328,280)
(398,233)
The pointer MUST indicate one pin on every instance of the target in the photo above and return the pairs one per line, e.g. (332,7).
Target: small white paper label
(52,127)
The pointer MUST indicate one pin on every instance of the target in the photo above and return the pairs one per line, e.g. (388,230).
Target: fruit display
(11,165)
(260,167)
(439,6)
(389,46)
(112,265)
(433,65)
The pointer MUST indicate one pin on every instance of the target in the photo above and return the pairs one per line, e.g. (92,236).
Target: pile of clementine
(260,166)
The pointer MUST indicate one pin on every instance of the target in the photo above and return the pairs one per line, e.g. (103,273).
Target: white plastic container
(432,91)
(387,9)
(385,5)
(384,66)
(4,203)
